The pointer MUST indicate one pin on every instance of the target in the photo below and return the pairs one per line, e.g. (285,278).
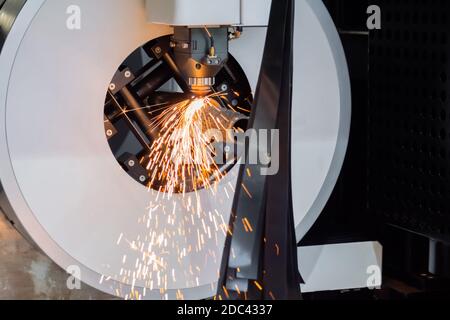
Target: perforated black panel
(409,116)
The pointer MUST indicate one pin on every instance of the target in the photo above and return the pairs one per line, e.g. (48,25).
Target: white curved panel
(321,112)
(56,167)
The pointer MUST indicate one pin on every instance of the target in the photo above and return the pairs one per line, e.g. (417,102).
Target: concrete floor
(27,274)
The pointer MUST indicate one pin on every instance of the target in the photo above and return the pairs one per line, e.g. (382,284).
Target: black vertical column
(262,263)
(281,278)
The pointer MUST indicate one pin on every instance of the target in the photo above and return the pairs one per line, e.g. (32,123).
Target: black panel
(395,184)
(348,15)
(409,117)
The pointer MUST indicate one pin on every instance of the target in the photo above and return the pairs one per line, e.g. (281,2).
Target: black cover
(266,202)
(409,117)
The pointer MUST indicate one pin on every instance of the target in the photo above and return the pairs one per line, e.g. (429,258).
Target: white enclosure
(67,191)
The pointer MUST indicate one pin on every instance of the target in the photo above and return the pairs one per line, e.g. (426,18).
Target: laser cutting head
(202,31)
(200,54)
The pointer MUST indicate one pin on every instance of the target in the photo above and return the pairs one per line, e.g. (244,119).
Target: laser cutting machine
(82,81)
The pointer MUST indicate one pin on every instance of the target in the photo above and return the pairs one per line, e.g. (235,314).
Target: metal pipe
(9,10)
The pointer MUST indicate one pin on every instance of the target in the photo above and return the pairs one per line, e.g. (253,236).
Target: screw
(224,87)
(227,149)
(112,86)
(142,178)
(131,163)
(127,74)
(158,50)
(109,133)
(234,102)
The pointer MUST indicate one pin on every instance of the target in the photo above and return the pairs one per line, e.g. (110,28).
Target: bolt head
(131,163)
(112,86)
(109,133)
(142,178)
(127,74)
(158,50)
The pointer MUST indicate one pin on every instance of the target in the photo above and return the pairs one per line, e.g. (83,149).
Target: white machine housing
(204,12)
(64,187)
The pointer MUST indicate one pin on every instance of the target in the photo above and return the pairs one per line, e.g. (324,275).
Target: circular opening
(169,140)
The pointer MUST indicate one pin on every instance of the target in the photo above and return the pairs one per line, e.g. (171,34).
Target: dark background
(395,184)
